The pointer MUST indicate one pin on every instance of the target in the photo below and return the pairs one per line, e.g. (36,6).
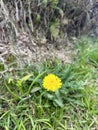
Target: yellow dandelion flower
(51,82)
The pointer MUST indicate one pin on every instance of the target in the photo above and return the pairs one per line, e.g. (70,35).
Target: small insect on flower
(51,82)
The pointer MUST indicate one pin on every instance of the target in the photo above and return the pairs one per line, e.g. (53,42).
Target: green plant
(26,105)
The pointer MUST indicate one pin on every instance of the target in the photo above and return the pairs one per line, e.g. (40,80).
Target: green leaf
(60,11)
(35,89)
(25,78)
(36,79)
(1,67)
(59,102)
(38,18)
(54,29)
(50,96)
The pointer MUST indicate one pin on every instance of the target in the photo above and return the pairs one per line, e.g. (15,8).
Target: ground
(26,105)
(24,51)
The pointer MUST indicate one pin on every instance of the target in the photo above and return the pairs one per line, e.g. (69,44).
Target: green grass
(25,105)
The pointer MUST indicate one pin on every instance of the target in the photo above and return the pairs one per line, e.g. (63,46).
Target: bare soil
(26,52)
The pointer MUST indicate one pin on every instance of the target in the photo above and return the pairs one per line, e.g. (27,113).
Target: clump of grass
(25,104)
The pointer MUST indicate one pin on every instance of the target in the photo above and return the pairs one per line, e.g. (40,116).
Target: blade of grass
(12,93)
(35,81)
(4,114)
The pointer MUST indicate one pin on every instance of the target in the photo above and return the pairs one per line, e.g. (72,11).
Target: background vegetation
(52,18)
